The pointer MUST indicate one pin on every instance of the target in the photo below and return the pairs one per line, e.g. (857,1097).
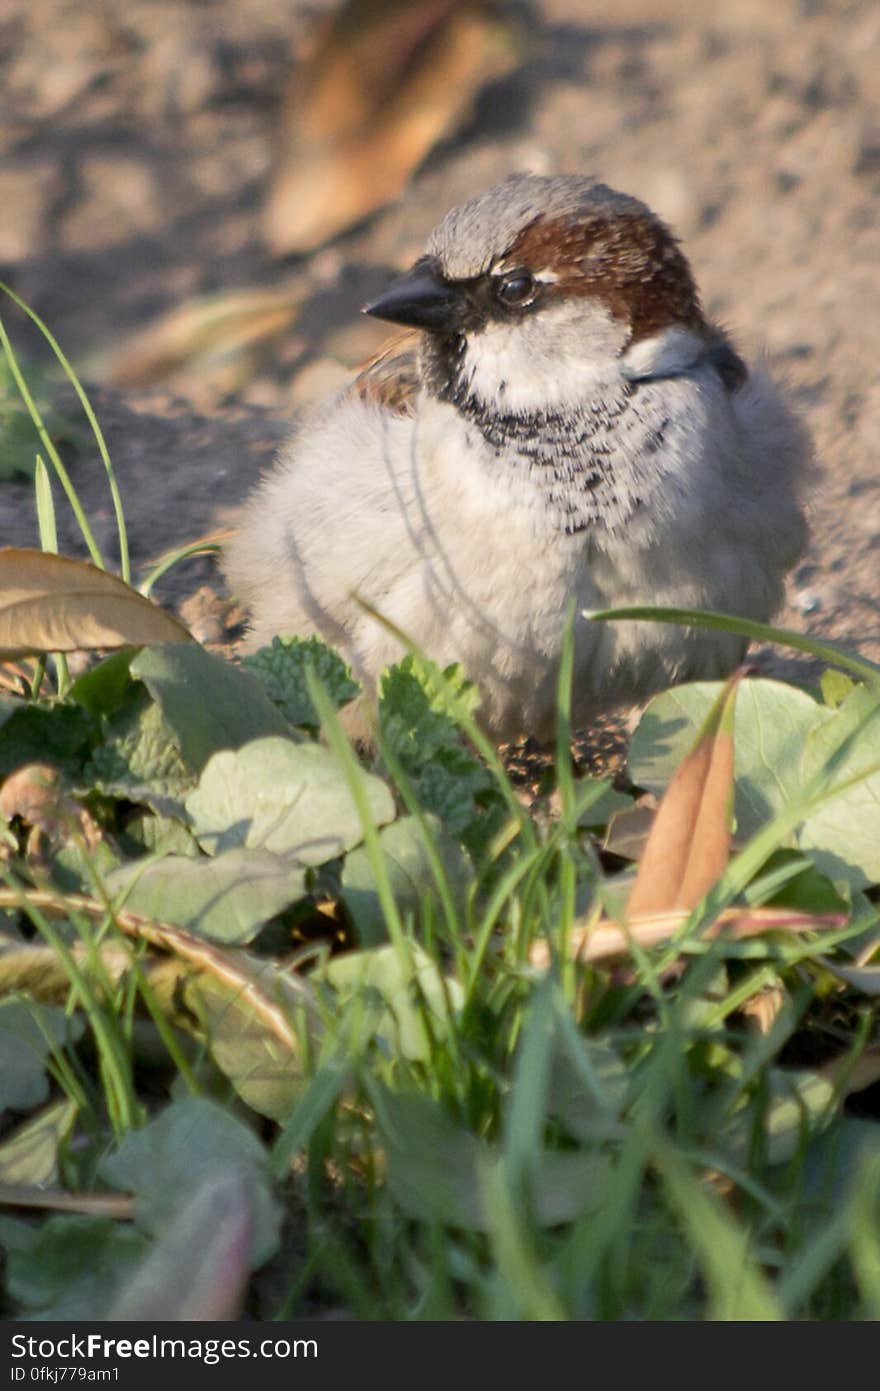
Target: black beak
(422,299)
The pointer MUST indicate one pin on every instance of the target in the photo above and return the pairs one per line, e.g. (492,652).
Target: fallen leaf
(689,843)
(52,603)
(385,80)
(605,939)
(253,1011)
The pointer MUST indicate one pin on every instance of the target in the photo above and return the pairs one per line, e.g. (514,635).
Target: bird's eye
(516,290)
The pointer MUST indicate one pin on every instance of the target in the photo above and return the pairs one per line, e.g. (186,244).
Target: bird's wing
(391,378)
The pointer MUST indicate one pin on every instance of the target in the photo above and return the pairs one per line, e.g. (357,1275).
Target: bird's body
(594,439)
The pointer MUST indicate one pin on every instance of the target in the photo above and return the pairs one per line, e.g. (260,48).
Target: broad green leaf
(259,1032)
(74,866)
(377,976)
(209,703)
(410,875)
(60,734)
(292,799)
(70,1267)
(771,724)
(30,1154)
(27,1034)
(835,686)
(842,835)
(436,1168)
(281,669)
(160,835)
(226,899)
(190,1143)
(102,688)
(802,885)
(603,801)
(140,759)
(797,1106)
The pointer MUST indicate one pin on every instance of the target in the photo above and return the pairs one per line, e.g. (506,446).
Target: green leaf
(417,709)
(417,718)
(589,1107)
(771,724)
(265,1068)
(798,1105)
(102,689)
(226,899)
(603,801)
(436,1168)
(74,865)
(410,875)
(405,1002)
(27,1034)
(842,836)
(60,734)
(292,799)
(30,1154)
(192,1142)
(159,835)
(281,669)
(808,890)
(209,703)
(71,1267)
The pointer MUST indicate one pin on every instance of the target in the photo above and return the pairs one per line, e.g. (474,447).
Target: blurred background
(197,197)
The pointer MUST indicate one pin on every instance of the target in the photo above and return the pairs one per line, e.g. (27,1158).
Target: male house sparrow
(567,424)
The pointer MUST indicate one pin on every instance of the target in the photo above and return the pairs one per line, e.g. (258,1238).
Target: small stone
(808,601)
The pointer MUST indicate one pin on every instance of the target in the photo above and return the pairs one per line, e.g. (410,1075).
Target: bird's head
(542,291)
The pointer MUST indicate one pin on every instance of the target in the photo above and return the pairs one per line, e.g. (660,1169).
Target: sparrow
(560,423)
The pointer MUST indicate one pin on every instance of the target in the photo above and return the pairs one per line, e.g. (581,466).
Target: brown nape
(631,263)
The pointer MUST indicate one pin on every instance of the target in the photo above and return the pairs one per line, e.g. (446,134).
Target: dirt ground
(136,143)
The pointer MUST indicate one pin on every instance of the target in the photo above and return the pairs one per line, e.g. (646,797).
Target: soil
(136,146)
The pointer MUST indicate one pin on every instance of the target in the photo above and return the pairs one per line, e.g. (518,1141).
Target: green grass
(237,952)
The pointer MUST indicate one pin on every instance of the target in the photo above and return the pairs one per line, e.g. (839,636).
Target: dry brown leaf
(763,1009)
(689,844)
(114,1205)
(269,995)
(386,79)
(606,939)
(51,603)
(35,792)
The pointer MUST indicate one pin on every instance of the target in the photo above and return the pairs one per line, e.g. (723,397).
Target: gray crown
(474,235)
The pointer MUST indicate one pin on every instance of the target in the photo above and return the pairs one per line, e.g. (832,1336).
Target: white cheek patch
(545,361)
(667,354)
